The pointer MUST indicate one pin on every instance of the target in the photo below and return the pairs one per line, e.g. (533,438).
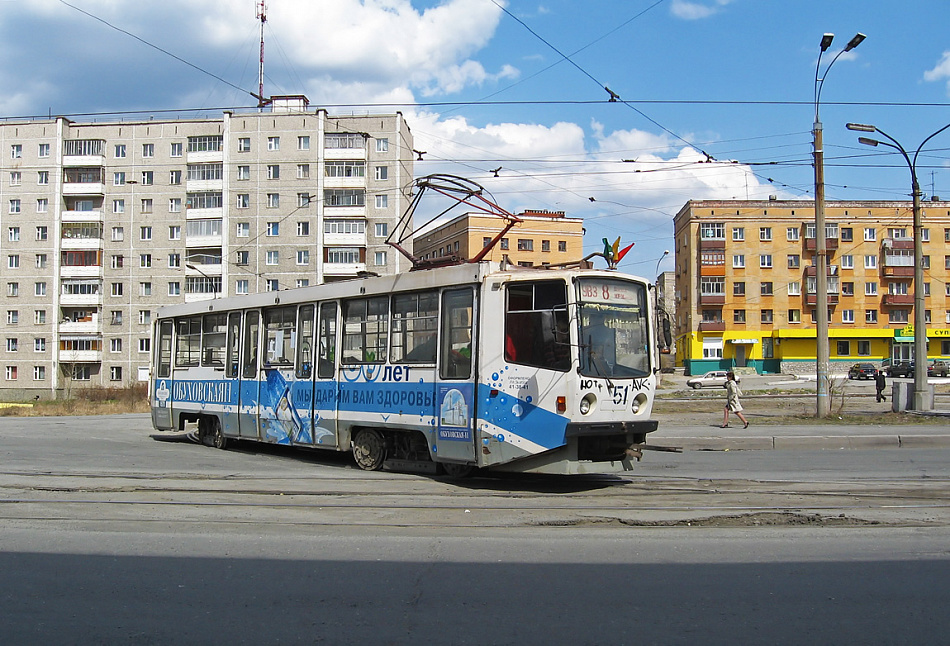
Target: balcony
(344,239)
(73,161)
(82,216)
(344,182)
(343,269)
(80,356)
(897,243)
(831,244)
(712,299)
(898,270)
(80,327)
(83,188)
(79,244)
(344,153)
(812,299)
(204,185)
(893,300)
(712,243)
(712,326)
(80,271)
(205,156)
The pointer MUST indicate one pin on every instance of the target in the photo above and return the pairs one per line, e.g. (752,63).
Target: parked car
(938,369)
(900,369)
(862,371)
(710,379)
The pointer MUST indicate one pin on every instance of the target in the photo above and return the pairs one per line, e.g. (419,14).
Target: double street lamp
(922,401)
(822,342)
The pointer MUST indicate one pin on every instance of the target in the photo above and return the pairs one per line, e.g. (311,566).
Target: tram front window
(614,329)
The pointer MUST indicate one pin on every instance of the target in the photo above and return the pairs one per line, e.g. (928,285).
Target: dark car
(938,369)
(862,371)
(901,369)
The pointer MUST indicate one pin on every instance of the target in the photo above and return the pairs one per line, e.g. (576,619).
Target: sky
(716,98)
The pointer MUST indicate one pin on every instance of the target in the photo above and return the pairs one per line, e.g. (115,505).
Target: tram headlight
(587,403)
(638,402)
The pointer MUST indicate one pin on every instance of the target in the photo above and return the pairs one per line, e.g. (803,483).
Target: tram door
(325,387)
(232,372)
(280,422)
(455,395)
(248,394)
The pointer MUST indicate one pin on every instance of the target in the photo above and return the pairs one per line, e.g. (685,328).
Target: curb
(806,442)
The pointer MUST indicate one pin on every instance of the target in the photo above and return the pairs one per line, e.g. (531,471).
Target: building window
(794,316)
(13,261)
(244,145)
(765,234)
(844,348)
(13,317)
(382,145)
(39,289)
(13,344)
(272,257)
(118,234)
(765,288)
(176,149)
(242,257)
(712,230)
(145,317)
(504,244)
(870,288)
(870,235)
(147,205)
(174,177)
(738,261)
(145,288)
(847,289)
(118,206)
(148,177)
(766,316)
(303,171)
(243,229)
(174,288)
(792,234)
(273,171)
(303,257)
(795,288)
(847,316)
(115,345)
(145,233)
(174,260)
(117,289)
(39,317)
(44,150)
(271,285)
(545,245)
(738,316)
(16,151)
(525,244)
(243,173)
(42,177)
(303,200)
(115,373)
(13,289)
(145,260)
(303,142)
(39,373)
(738,234)
(765,260)
(738,288)
(303,228)
(273,200)
(898,316)
(15,206)
(382,172)
(273,143)
(847,261)
(148,150)
(302,282)
(13,234)
(794,261)
(243,201)
(870,262)
(273,228)
(870,316)
(11,373)
(174,205)
(847,234)
(145,345)
(241,286)
(382,201)
(562,245)
(380,258)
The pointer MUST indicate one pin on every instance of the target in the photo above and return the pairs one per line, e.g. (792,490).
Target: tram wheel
(218,440)
(369,449)
(453,470)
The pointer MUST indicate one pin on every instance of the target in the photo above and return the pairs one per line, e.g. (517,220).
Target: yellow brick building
(745,283)
(541,238)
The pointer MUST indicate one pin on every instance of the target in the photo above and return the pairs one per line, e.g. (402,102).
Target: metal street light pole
(822,342)
(921,399)
(665,254)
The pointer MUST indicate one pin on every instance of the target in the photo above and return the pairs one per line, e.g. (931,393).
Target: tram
(450,369)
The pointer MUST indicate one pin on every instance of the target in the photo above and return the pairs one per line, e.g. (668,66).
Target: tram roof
(462,274)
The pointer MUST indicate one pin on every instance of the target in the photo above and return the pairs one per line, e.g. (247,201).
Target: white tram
(529,370)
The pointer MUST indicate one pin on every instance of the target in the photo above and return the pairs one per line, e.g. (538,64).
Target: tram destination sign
(613,292)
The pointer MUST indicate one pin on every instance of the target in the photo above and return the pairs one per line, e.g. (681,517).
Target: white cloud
(695,10)
(940,71)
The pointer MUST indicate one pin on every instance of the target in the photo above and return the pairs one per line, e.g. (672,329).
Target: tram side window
(252,326)
(327,341)
(234,340)
(365,322)
(305,346)
(188,348)
(457,306)
(213,337)
(280,336)
(164,350)
(536,325)
(414,327)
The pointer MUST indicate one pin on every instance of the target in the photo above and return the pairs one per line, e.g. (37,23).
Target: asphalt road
(110,536)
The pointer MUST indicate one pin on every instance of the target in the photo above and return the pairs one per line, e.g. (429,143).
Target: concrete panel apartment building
(103,222)
(746,278)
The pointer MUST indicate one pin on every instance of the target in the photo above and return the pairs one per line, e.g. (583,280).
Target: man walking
(880,383)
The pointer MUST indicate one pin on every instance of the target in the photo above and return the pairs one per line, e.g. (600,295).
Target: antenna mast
(262,16)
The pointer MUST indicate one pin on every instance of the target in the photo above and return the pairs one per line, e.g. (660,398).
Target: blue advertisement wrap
(518,416)
(280,422)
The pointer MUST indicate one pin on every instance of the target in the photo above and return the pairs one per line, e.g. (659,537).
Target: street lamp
(822,342)
(666,252)
(921,400)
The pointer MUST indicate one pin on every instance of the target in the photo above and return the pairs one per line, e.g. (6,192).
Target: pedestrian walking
(732,401)
(880,383)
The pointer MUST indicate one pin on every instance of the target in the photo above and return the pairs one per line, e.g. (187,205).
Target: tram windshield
(614,329)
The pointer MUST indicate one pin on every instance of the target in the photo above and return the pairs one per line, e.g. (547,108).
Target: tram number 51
(620,394)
